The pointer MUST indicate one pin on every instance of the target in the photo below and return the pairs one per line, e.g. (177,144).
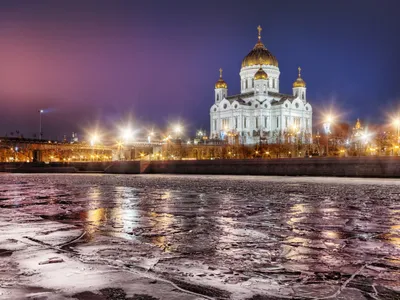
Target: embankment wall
(330,166)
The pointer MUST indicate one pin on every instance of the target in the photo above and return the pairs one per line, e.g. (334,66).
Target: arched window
(302,96)
(217,97)
(252,82)
(273,83)
(246,84)
(265,88)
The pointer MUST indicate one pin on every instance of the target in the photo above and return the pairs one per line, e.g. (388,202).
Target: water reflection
(393,236)
(114,216)
(160,224)
(241,224)
(316,226)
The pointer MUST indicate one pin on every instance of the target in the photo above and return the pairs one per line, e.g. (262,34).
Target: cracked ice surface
(224,237)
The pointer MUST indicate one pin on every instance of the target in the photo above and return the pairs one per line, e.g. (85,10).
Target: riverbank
(154,237)
(381,167)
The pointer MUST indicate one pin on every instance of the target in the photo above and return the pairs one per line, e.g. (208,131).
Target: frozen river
(198,237)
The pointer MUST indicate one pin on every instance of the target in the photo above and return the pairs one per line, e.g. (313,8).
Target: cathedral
(260,112)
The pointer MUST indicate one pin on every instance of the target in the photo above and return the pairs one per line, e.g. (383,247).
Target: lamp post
(150,136)
(40,111)
(178,131)
(397,124)
(127,136)
(318,136)
(327,128)
(119,145)
(94,139)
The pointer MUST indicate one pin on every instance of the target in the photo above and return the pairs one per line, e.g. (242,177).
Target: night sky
(100,63)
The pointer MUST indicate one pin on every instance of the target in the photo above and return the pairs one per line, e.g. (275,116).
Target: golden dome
(259,55)
(358,125)
(221,84)
(299,81)
(260,74)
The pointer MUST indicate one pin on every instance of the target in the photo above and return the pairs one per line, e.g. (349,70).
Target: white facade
(260,111)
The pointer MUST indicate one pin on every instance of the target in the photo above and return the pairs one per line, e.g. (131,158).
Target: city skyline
(104,63)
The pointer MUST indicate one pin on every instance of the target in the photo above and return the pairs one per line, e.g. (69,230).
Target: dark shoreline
(380,167)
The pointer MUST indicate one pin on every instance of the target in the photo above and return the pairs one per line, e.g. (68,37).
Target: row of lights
(128,134)
(329,119)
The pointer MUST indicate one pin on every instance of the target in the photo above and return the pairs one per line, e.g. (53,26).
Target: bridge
(14,149)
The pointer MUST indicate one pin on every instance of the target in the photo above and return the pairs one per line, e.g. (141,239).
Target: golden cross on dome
(299,71)
(220,72)
(259,32)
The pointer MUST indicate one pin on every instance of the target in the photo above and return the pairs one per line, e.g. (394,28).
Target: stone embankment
(329,166)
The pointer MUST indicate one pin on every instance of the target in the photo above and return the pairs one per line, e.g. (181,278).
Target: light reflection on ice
(258,226)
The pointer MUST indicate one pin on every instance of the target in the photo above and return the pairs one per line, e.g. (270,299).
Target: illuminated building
(260,111)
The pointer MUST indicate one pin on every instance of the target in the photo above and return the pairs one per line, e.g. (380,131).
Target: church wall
(246,115)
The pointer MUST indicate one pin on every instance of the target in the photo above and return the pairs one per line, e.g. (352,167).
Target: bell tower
(299,87)
(221,89)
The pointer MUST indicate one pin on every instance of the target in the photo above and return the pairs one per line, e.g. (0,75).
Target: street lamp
(327,128)
(40,111)
(177,130)
(127,134)
(94,139)
(149,136)
(119,147)
(396,122)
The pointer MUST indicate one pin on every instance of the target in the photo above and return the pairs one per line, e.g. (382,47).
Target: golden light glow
(178,128)
(94,139)
(329,119)
(127,134)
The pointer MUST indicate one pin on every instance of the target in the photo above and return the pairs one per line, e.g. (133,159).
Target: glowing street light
(150,136)
(40,111)
(94,139)
(396,122)
(327,127)
(178,130)
(127,134)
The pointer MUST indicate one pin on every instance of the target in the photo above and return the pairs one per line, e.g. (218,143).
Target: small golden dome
(358,124)
(260,74)
(221,84)
(299,81)
(259,55)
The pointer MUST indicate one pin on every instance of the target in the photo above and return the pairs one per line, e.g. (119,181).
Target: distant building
(260,111)
(74,138)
